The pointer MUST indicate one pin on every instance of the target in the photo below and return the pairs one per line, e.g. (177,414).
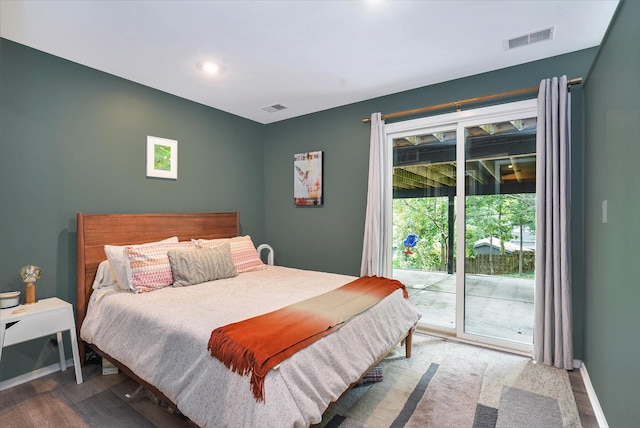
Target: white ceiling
(306,55)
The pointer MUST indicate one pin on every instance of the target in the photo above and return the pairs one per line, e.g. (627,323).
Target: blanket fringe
(234,356)
(257,386)
(237,358)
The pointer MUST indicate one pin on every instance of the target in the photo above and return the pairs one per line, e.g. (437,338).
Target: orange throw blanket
(255,345)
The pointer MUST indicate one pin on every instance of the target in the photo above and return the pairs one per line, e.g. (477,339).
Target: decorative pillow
(148,267)
(243,252)
(104,276)
(191,267)
(115,255)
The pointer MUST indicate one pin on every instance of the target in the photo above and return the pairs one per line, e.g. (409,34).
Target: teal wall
(612,291)
(74,139)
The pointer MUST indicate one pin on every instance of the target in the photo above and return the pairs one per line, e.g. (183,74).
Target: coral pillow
(243,252)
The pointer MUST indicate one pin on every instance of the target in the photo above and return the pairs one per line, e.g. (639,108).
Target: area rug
(448,384)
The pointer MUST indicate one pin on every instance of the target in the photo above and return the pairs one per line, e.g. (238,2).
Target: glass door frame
(459,120)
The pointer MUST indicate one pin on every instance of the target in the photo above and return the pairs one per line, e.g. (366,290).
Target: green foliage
(427,218)
(486,216)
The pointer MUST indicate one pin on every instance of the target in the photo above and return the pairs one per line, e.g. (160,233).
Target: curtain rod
(458,104)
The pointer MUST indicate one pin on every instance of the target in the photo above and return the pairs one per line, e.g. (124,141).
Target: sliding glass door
(464,221)
(499,207)
(424,182)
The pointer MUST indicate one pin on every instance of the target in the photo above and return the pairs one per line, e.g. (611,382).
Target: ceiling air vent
(274,108)
(527,39)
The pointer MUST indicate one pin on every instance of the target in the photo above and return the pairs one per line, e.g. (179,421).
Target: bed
(159,338)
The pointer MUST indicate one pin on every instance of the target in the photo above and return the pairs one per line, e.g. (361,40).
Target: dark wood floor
(56,401)
(587,415)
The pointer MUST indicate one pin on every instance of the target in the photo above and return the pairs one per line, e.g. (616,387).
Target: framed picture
(307,178)
(162,158)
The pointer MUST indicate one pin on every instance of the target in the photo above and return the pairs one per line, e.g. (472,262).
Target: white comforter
(162,336)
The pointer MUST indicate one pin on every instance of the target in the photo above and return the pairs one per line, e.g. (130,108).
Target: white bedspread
(162,336)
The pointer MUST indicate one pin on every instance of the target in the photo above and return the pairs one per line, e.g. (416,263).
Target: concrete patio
(496,306)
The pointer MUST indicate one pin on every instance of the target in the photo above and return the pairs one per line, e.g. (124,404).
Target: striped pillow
(243,252)
(148,268)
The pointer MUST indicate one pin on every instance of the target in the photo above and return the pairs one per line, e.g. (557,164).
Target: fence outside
(499,264)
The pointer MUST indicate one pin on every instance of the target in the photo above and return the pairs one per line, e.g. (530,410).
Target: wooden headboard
(96,231)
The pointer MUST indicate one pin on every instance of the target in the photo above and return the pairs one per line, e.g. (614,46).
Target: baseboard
(28,377)
(597,409)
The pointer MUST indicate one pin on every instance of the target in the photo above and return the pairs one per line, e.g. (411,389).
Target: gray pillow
(191,267)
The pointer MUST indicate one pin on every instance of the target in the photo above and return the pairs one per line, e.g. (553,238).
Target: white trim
(388,204)
(593,398)
(460,223)
(451,337)
(515,109)
(28,377)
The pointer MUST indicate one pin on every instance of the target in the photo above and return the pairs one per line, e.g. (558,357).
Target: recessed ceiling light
(374,3)
(210,67)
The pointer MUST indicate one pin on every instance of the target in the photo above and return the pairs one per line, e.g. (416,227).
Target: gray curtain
(553,342)
(378,216)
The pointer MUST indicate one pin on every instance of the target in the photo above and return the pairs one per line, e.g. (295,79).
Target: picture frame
(308,179)
(162,158)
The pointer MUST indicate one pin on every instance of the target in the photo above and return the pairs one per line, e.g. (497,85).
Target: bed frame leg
(135,393)
(408,343)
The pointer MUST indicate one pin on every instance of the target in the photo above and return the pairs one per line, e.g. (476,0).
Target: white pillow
(104,276)
(118,262)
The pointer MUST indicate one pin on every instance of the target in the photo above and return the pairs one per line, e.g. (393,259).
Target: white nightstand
(45,317)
